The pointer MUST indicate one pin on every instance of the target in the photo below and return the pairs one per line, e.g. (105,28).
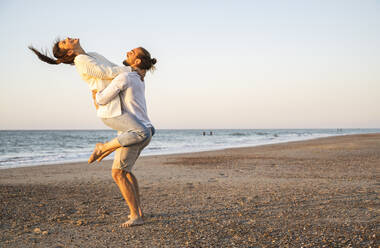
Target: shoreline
(315,193)
(181,153)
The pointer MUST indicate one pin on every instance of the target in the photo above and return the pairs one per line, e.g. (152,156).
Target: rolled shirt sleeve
(112,90)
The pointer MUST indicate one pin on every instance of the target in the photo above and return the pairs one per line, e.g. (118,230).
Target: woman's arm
(91,67)
(94,98)
(112,90)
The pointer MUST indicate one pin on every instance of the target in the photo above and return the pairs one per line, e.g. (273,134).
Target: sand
(317,193)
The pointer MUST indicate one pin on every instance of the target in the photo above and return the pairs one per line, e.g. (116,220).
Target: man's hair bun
(147,62)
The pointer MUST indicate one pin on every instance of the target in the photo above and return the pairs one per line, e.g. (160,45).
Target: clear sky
(221,64)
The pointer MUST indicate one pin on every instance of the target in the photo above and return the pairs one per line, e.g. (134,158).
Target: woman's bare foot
(133,222)
(100,158)
(96,153)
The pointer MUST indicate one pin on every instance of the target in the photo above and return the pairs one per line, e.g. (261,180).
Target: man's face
(69,44)
(132,56)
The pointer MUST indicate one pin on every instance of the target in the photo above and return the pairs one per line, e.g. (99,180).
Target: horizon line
(100,129)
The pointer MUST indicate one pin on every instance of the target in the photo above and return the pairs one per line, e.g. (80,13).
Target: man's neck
(140,72)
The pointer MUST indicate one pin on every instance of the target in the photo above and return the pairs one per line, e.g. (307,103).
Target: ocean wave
(156,148)
(24,148)
(261,133)
(238,134)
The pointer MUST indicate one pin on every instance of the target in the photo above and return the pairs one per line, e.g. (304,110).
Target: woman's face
(69,44)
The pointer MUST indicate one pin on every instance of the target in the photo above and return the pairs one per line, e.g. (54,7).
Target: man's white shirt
(131,89)
(98,72)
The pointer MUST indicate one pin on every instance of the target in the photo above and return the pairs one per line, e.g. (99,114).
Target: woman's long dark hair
(60,54)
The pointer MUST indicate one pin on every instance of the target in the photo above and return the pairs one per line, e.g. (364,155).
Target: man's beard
(125,63)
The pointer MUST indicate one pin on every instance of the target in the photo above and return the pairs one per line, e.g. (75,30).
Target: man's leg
(125,158)
(128,192)
(133,180)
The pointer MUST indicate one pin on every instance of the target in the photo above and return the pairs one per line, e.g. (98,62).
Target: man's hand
(94,98)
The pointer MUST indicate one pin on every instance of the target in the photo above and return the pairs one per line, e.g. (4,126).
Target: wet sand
(317,193)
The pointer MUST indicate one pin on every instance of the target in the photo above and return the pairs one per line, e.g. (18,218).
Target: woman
(98,72)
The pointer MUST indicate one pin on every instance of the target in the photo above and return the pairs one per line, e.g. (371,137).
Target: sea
(21,148)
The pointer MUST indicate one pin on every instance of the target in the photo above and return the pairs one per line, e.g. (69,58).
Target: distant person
(128,117)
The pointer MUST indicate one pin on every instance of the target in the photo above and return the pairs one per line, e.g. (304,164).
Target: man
(130,87)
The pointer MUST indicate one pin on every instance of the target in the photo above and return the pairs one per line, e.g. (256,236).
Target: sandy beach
(316,193)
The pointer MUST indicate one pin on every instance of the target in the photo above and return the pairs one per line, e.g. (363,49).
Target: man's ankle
(134,216)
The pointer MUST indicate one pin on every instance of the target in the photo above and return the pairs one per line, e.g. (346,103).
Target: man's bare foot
(133,222)
(96,153)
